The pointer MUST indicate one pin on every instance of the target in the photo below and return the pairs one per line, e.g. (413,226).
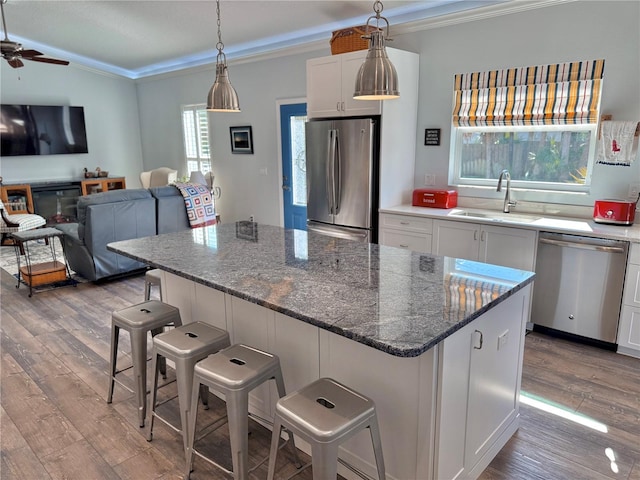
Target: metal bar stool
(185,346)
(325,413)
(138,319)
(234,372)
(152,278)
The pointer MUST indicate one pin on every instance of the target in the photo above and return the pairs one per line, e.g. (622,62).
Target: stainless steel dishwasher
(578,285)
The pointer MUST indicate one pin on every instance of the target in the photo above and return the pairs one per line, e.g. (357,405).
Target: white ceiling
(137,38)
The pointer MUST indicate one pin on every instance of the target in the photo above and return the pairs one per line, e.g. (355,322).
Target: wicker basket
(349,39)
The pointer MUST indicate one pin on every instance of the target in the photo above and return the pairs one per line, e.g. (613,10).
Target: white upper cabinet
(330,85)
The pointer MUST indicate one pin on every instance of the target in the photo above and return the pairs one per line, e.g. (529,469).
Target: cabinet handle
(478,335)
(403,246)
(343,106)
(338,106)
(405,223)
(482,236)
(475,234)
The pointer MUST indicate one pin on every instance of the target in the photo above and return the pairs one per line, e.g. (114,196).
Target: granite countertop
(531,221)
(394,300)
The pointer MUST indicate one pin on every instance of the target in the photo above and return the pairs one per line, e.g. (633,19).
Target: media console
(55,201)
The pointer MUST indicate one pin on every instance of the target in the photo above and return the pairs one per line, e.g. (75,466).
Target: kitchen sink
(495,216)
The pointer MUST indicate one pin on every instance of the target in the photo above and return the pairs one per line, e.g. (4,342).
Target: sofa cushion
(112,196)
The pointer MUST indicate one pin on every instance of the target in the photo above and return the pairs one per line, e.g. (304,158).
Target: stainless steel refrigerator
(342,177)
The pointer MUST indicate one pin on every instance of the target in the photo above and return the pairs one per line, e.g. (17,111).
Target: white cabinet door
(494,377)
(479,392)
(632,286)
(509,247)
(330,86)
(505,246)
(456,239)
(324,86)
(351,63)
(629,330)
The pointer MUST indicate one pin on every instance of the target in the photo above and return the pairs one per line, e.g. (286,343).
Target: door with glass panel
(294,179)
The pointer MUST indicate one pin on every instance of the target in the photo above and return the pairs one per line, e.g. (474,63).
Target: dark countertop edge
(408,352)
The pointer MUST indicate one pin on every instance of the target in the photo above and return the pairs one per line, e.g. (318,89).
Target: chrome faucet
(507,197)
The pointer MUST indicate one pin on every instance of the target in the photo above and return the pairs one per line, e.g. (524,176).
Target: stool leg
(237,413)
(324,458)
(204,396)
(184,378)
(147,291)
(162,361)
(154,391)
(139,356)
(191,431)
(275,441)
(115,332)
(377,447)
(281,393)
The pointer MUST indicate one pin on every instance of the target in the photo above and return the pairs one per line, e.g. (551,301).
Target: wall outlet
(429,179)
(634,191)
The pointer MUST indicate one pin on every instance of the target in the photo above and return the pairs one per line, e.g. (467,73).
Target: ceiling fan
(13,52)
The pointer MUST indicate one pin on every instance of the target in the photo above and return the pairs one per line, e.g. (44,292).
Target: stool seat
(326,413)
(234,372)
(330,409)
(149,316)
(185,346)
(238,367)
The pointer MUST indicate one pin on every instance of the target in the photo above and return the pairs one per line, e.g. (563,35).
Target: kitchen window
(540,123)
(195,127)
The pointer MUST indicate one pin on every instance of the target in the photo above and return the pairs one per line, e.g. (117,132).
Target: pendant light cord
(219,45)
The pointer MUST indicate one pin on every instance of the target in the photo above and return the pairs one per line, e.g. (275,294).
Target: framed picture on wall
(241,139)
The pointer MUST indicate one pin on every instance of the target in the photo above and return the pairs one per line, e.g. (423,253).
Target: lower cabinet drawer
(406,222)
(410,241)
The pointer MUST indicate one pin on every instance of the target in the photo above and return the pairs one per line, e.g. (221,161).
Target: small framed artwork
(241,140)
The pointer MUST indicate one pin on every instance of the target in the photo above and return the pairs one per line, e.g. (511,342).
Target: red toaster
(423,197)
(614,212)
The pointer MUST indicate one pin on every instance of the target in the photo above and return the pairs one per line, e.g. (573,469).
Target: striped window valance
(559,94)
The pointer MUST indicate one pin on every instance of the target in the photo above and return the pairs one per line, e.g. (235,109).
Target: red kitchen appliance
(614,212)
(423,197)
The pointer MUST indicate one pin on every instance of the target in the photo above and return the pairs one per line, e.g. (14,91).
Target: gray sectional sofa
(119,215)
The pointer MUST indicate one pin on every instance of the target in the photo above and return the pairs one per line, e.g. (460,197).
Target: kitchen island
(437,342)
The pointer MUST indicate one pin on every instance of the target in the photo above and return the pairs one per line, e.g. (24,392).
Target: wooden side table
(44,273)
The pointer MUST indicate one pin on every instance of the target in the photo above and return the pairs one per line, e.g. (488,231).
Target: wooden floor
(55,422)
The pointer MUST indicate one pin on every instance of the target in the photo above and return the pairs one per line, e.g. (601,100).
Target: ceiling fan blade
(15,63)
(47,60)
(29,53)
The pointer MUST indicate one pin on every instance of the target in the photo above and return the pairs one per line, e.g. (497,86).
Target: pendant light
(222,96)
(377,78)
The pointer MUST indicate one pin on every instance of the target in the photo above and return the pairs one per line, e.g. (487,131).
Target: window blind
(558,94)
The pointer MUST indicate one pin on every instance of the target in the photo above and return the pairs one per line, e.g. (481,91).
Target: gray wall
(246,190)
(111,116)
(541,36)
(579,30)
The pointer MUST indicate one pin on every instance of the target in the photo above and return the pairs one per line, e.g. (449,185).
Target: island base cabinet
(403,391)
(478,394)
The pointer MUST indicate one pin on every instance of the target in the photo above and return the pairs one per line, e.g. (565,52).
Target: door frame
(279,103)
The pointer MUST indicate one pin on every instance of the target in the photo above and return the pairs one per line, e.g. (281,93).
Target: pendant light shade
(377,78)
(222,96)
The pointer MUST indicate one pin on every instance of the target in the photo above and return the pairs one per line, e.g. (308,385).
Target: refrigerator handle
(337,179)
(329,169)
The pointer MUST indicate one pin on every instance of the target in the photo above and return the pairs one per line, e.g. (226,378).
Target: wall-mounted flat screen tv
(42,130)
